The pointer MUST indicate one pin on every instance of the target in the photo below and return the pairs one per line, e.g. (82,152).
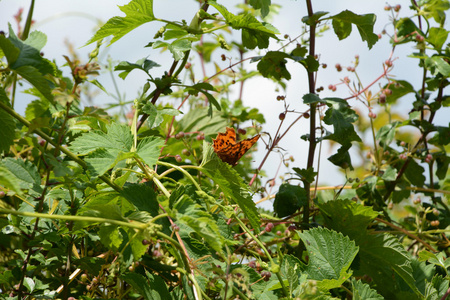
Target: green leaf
(342,25)
(193,215)
(406,30)
(198,120)
(382,257)
(437,37)
(26,60)
(289,199)
(415,173)
(362,291)
(330,256)
(437,288)
(273,64)
(150,288)
(7,133)
(138,12)
(399,89)
(291,269)
(9,181)
(37,109)
(254,33)
(230,183)
(386,134)
(263,5)
(142,196)
(390,173)
(202,87)
(341,116)
(156,115)
(143,64)
(36,40)
(307,175)
(342,157)
(28,55)
(110,236)
(25,171)
(149,148)
(435,259)
(117,139)
(347,217)
(35,78)
(438,64)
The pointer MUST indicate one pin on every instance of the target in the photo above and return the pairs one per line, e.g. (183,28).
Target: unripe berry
(185,152)
(282,116)
(269,227)
(178,158)
(179,135)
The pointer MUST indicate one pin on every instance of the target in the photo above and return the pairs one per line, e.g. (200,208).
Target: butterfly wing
(232,153)
(224,140)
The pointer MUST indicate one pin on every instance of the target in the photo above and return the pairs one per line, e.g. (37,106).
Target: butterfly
(228,150)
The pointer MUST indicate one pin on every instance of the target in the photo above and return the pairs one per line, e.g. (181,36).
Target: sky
(76,22)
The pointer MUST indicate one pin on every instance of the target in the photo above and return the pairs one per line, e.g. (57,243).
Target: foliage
(100,204)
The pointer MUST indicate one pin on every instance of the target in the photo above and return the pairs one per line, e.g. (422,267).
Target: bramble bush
(96,203)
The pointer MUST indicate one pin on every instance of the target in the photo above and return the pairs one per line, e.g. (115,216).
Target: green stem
(135,225)
(26,30)
(182,171)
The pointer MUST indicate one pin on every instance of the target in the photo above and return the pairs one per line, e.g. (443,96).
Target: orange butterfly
(228,150)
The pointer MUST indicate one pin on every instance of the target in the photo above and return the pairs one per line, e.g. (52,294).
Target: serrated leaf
(307,175)
(110,236)
(7,133)
(138,12)
(415,173)
(150,288)
(149,148)
(330,256)
(438,64)
(25,171)
(142,196)
(28,55)
(118,138)
(273,65)
(263,5)
(230,183)
(342,157)
(437,37)
(362,291)
(341,117)
(192,215)
(156,115)
(36,40)
(399,88)
(342,25)
(386,134)
(390,174)
(36,79)
(102,160)
(143,64)
(9,181)
(347,217)
(289,199)
(29,284)
(36,109)
(254,33)
(382,256)
(437,288)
